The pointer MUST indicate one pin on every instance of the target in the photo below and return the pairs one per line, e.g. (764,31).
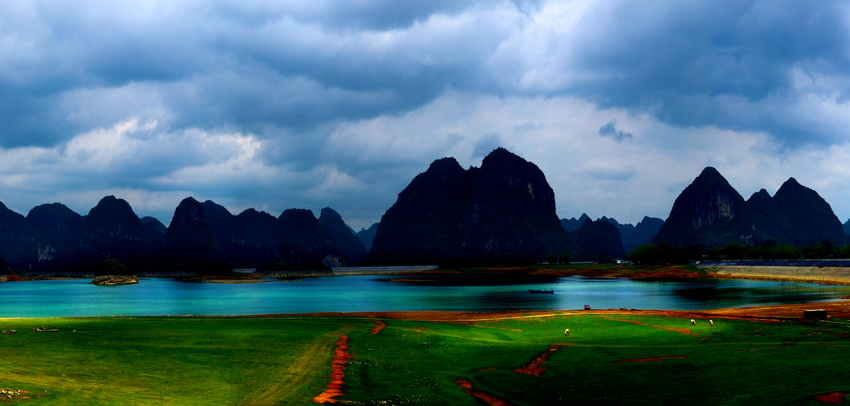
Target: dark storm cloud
(732,64)
(741,65)
(609,130)
(240,65)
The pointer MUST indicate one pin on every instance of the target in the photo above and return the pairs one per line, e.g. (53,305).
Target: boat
(550,291)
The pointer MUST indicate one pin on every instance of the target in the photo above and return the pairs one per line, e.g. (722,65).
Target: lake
(366,293)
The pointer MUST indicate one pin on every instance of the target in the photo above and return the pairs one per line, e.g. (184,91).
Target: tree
(112,266)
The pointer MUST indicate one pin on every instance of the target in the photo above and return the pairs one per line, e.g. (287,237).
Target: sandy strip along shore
(833,275)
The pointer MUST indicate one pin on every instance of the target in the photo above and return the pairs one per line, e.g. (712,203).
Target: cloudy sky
(315,103)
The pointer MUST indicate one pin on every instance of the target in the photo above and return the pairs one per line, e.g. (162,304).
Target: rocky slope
(367,235)
(304,244)
(600,239)
(189,244)
(500,213)
(632,235)
(709,213)
(350,246)
(17,243)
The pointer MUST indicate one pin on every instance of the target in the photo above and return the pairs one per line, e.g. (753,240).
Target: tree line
(662,252)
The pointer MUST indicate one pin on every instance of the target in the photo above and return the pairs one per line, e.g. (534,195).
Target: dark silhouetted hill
(249,239)
(501,213)
(572,225)
(710,213)
(367,235)
(805,216)
(59,233)
(113,230)
(152,225)
(635,235)
(189,245)
(350,246)
(17,244)
(600,239)
(305,244)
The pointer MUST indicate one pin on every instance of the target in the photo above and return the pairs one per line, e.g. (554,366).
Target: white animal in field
(693,322)
(567,332)
(711,322)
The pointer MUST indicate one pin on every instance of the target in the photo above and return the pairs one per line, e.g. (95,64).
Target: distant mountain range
(501,213)
(709,213)
(202,238)
(631,235)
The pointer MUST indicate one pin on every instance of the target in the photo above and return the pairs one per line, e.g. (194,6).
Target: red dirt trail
(337,374)
(836,397)
(533,368)
(486,397)
(379,325)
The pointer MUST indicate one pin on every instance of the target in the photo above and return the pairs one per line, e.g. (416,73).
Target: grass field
(608,358)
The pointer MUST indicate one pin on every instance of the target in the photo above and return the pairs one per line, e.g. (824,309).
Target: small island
(113,272)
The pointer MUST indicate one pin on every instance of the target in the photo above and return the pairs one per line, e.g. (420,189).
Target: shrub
(112,266)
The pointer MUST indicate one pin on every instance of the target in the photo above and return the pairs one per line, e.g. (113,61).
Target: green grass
(287,360)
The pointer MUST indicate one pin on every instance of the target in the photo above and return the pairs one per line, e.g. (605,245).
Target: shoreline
(824,275)
(769,313)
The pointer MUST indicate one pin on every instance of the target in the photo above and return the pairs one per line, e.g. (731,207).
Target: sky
(318,103)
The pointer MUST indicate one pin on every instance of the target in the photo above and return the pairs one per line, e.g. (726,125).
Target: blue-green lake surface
(366,293)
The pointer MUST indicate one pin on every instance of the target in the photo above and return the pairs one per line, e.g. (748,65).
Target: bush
(662,253)
(112,266)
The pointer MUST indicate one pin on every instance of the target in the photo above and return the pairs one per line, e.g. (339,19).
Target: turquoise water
(163,296)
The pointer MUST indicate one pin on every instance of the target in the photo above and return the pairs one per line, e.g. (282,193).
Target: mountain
(635,235)
(152,225)
(17,244)
(847,227)
(249,239)
(350,246)
(367,235)
(573,224)
(643,232)
(600,238)
(500,213)
(632,235)
(189,245)
(806,216)
(709,213)
(215,213)
(58,231)
(112,230)
(305,244)
(705,213)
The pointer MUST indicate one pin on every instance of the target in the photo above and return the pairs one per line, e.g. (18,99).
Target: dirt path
(533,368)
(295,376)
(379,326)
(486,397)
(340,360)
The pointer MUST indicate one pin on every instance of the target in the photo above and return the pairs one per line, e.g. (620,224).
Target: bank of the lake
(822,273)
